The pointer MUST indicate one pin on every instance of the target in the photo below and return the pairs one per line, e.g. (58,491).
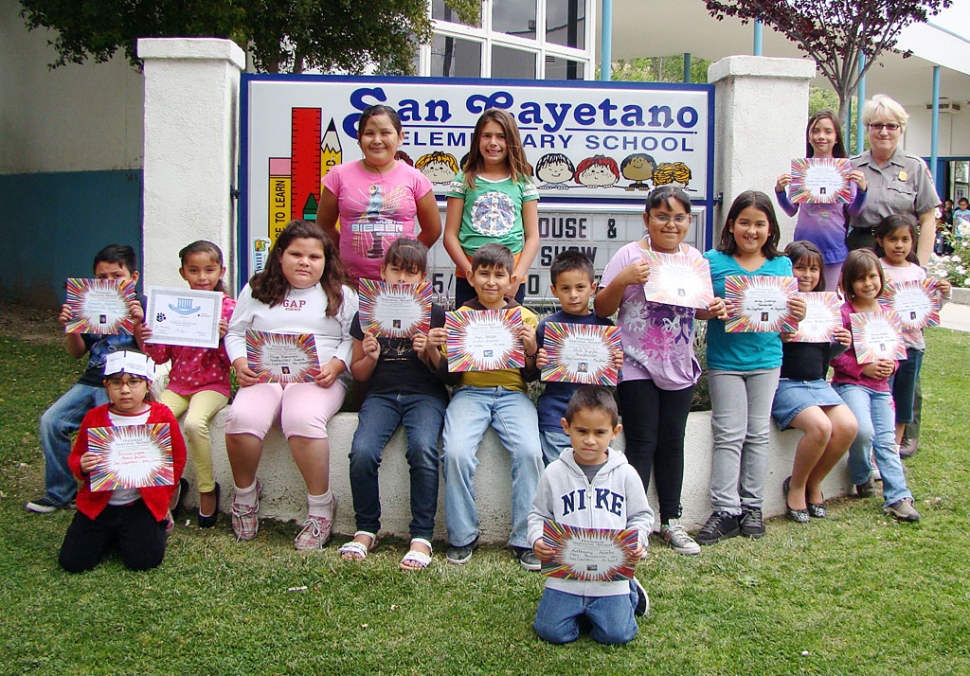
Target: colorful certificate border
(823,315)
(799,191)
(678,280)
(906,299)
(621,542)
(557,334)
(257,341)
(736,288)
(867,352)
(78,289)
(458,325)
(371,294)
(106,477)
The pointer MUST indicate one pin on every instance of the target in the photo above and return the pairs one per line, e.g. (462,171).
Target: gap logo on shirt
(293,305)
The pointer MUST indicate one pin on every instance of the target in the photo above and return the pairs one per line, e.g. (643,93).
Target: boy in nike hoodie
(590,486)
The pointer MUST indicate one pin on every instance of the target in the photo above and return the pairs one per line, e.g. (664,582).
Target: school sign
(596,149)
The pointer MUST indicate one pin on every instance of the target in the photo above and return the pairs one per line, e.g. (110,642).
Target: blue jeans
(512,414)
(422,416)
(904,384)
(611,618)
(877,431)
(740,417)
(57,424)
(554,442)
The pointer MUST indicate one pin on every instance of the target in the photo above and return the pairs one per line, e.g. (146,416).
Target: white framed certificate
(877,335)
(590,554)
(581,353)
(184,316)
(761,304)
(100,306)
(484,340)
(678,280)
(282,357)
(823,315)
(132,456)
(820,180)
(916,302)
(395,310)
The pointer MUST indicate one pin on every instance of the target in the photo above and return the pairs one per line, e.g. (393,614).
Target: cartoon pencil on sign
(331,154)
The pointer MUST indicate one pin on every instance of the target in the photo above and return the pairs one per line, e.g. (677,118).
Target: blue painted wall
(52,225)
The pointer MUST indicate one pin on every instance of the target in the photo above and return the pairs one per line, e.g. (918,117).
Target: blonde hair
(882,105)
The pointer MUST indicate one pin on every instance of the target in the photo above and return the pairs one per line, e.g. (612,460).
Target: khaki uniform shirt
(903,186)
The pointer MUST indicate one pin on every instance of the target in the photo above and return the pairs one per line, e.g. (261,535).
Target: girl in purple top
(660,368)
(824,224)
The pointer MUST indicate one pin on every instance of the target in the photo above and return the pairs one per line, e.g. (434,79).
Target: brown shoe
(908,447)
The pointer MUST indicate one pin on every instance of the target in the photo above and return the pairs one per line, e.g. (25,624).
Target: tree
(282,35)
(835,32)
(659,69)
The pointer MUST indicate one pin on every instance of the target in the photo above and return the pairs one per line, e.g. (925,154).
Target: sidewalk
(956,316)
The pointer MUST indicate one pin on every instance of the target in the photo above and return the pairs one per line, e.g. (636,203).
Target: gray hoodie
(615,499)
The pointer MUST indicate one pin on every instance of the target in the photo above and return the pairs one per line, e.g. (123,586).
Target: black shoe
(527,558)
(908,447)
(461,555)
(866,490)
(817,511)
(643,601)
(752,524)
(210,520)
(182,489)
(44,505)
(719,526)
(796,515)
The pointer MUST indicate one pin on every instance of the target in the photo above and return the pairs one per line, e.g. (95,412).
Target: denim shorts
(794,396)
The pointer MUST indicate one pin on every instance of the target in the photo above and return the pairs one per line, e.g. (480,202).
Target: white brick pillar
(760,109)
(191,149)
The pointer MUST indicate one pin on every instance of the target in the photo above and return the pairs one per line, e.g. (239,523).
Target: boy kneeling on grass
(590,486)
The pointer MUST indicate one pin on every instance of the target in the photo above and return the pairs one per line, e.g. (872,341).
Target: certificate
(581,353)
(816,180)
(823,315)
(590,554)
(916,302)
(184,316)
(761,304)
(100,306)
(134,456)
(484,340)
(282,357)
(877,335)
(678,280)
(395,310)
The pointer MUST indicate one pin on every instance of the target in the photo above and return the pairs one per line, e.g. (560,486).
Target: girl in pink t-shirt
(376,198)
(198,382)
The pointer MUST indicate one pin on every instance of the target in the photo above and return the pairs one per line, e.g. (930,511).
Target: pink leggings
(303,408)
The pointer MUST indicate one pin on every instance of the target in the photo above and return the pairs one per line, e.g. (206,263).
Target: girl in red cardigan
(134,520)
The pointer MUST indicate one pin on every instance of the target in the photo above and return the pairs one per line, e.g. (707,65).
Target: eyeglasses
(892,126)
(130,381)
(664,219)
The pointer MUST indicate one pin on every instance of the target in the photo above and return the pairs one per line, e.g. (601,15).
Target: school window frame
(540,47)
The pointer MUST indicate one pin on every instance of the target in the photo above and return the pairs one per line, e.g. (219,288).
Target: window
(566,23)
(513,63)
(455,57)
(564,69)
(522,39)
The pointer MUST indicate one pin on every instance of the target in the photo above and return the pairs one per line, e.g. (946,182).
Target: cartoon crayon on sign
(331,154)
(279,195)
(310,209)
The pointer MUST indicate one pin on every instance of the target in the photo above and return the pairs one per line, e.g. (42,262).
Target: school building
(72,140)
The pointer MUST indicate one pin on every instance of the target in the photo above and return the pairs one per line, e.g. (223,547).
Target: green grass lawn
(856,593)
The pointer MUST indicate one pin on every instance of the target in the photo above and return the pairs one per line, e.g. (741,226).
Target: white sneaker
(678,539)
